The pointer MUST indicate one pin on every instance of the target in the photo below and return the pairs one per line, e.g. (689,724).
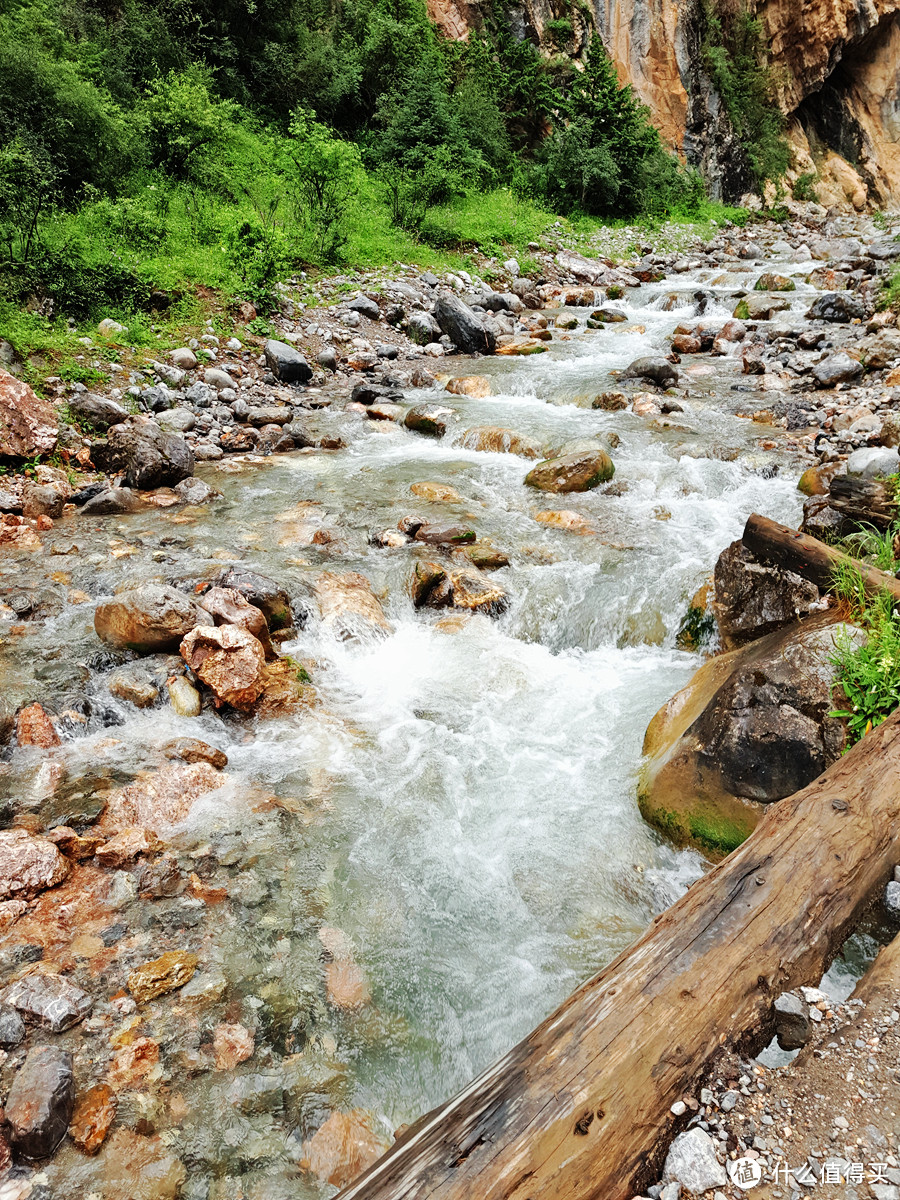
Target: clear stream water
(464,800)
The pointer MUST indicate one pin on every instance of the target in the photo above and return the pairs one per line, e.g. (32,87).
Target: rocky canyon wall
(837,66)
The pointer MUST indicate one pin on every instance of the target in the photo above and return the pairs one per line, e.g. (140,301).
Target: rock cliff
(836,64)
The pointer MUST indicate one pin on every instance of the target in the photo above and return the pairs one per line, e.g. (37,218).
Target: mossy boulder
(773,282)
(578,472)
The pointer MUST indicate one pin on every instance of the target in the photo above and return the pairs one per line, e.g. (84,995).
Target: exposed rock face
(751,727)
(752,599)
(27,422)
(28,865)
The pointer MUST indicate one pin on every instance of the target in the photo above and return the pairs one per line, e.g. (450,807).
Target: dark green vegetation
(154,145)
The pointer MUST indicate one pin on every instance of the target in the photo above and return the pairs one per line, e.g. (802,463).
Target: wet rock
(792,1024)
(573,473)
(343,1147)
(770,281)
(148,618)
(816,481)
(229,660)
(346,985)
(656,369)
(140,1168)
(183,696)
(476,386)
(40,1101)
(49,1000)
(462,325)
(111,501)
(757,306)
(164,974)
(228,606)
(486,557)
(426,575)
(147,455)
(348,606)
(837,307)
(610,401)
(92,1118)
(35,728)
(132,1063)
(287,363)
(27,421)
(872,462)
(752,599)
(751,727)
(195,491)
(164,798)
(494,438)
(28,865)
(438,533)
(686,343)
(692,1162)
(572,522)
(837,368)
(192,750)
(44,500)
(470,590)
(232,1044)
(438,493)
(126,846)
(135,685)
(96,413)
(267,595)
(430,419)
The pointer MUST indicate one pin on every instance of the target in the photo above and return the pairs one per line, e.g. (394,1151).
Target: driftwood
(863,501)
(581,1108)
(783,547)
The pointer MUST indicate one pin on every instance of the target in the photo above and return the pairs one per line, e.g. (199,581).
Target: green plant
(870,673)
(261,327)
(805,186)
(323,175)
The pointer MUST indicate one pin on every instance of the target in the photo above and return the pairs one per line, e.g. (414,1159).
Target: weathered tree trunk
(863,501)
(807,556)
(580,1108)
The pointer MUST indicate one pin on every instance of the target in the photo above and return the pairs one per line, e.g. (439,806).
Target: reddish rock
(343,1147)
(164,798)
(27,422)
(232,1044)
(126,846)
(34,728)
(28,865)
(346,984)
(92,1117)
(148,618)
(140,1168)
(133,1063)
(228,607)
(686,343)
(72,844)
(193,750)
(564,518)
(229,660)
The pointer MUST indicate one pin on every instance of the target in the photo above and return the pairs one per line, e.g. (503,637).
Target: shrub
(322,174)
(182,119)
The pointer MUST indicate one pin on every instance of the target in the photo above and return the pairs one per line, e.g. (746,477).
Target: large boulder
(146,619)
(752,599)
(97,412)
(653,368)
(572,473)
(229,660)
(287,363)
(462,325)
(750,728)
(27,421)
(837,368)
(148,456)
(837,307)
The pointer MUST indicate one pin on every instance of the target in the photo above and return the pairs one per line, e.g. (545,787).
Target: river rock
(437,493)
(342,1148)
(656,369)
(494,438)
(183,696)
(147,455)
(692,1162)
(837,368)
(462,325)
(437,533)
(287,363)
(872,462)
(92,1118)
(348,606)
(476,386)
(264,593)
(837,307)
(164,974)
(227,606)
(770,281)
(28,865)
(111,501)
(472,591)
(758,306)
(610,401)
(148,618)
(752,599)
(27,421)
(94,412)
(751,727)
(40,1101)
(232,1044)
(134,685)
(563,518)
(573,473)
(49,1000)
(140,1168)
(792,1024)
(34,727)
(229,660)
(430,419)
(163,798)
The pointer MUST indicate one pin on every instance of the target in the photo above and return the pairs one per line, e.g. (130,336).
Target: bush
(322,175)
(184,123)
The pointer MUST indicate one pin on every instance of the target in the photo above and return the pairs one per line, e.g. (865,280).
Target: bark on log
(580,1108)
(863,501)
(783,547)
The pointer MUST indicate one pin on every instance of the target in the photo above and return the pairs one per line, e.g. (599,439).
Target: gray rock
(365,306)
(177,420)
(148,456)
(43,499)
(871,462)
(837,307)
(884,250)
(462,325)
(327,359)
(672,1191)
(200,394)
(171,375)
(12,1027)
(98,412)
(752,599)
(892,899)
(422,328)
(184,358)
(656,369)
(195,491)
(215,377)
(837,368)
(792,1023)
(270,414)
(729,1101)
(286,363)
(384,350)
(111,501)
(50,1000)
(692,1162)
(208,452)
(158,399)
(40,1102)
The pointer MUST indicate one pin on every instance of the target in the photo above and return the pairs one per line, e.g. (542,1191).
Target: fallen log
(781,546)
(882,980)
(581,1108)
(863,502)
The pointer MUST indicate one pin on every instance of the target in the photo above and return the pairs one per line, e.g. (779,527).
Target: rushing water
(461,800)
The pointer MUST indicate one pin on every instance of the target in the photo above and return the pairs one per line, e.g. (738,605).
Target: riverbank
(296,881)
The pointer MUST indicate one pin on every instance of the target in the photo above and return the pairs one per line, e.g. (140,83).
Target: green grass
(869,674)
